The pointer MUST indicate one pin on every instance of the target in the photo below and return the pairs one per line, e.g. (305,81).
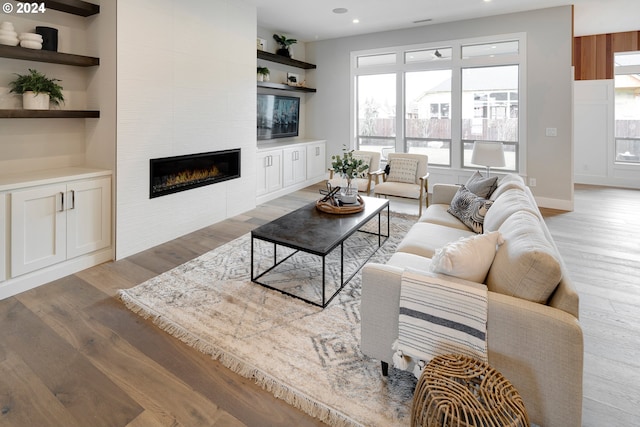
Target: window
(428,124)
(427,55)
(439,99)
(627,108)
(376,112)
(490,50)
(490,110)
(369,60)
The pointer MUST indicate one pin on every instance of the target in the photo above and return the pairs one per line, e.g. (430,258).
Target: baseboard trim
(40,277)
(289,189)
(607,181)
(559,204)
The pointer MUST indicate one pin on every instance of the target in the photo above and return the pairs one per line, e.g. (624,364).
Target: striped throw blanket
(439,316)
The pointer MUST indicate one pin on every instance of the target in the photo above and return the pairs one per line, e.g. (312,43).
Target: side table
(456,390)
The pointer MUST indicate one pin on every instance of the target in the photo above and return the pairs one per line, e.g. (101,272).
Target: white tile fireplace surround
(184,90)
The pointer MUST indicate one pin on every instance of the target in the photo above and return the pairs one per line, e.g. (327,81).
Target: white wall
(186,84)
(549,88)
(595,137)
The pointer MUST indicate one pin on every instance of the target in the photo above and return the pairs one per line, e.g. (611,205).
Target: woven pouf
(456,390)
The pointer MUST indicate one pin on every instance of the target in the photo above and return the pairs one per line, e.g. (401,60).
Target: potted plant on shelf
(263,74)
(284,43)
(37,90)
(348,167)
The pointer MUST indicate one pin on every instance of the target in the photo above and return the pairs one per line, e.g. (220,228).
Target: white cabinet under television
(269,174)
(294,165)
(54,223)
(287,166)
(316,159)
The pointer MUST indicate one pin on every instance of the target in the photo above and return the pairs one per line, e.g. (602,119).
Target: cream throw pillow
(527,266)
(403,170)
(468,258)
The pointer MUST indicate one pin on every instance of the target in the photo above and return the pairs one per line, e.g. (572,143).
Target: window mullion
(456,118)
(400,112)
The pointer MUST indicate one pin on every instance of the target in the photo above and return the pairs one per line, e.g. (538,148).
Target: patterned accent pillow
(366,160)
(469,208)
(403,170)
(481,186)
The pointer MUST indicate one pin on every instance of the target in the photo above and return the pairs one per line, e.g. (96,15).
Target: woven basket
(456,390)
(331,207)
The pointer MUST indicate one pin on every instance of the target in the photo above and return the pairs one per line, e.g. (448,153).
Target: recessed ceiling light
(355,21)
(340,10)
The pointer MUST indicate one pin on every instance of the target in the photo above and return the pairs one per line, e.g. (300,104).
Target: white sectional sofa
(533,334)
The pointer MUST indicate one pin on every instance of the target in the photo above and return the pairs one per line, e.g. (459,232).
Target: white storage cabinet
(269,172)
(294,165)
(53,223)
(316,161)
(284,167)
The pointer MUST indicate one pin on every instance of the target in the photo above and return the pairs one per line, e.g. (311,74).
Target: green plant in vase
(263,74)
(285,43)
(38,88)
(348,167)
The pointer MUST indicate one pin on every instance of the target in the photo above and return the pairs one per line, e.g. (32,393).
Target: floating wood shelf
(268,56)
(17,52)
(74,7)
(280,86)
(49,114)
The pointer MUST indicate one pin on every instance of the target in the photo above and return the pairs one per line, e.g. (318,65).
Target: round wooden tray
(330,207)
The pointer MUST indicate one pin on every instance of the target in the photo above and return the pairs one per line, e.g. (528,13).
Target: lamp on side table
(489,154)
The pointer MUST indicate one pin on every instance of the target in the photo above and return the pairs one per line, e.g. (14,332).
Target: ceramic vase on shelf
(35,101)
(49,38)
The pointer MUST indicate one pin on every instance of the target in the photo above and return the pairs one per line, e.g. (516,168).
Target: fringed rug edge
(291,396)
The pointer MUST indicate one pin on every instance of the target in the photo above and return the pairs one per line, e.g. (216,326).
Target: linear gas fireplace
(173,174)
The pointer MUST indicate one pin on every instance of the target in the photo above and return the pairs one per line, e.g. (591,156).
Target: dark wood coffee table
(318,233)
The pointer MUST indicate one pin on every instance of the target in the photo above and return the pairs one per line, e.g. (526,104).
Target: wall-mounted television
(278,116)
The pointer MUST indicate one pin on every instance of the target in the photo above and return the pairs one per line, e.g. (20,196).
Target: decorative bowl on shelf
(8,35)
(31,37)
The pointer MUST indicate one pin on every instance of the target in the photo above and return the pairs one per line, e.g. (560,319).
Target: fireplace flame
(190,176)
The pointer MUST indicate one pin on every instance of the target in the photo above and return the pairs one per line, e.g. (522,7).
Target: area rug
(308,356)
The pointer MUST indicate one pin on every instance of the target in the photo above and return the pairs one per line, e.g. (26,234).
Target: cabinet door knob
(61,202)
(73,199)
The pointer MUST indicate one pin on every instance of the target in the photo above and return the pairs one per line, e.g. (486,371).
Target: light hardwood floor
(72,355)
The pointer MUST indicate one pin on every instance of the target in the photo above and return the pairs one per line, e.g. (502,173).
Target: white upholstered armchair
(407,178)
(365,183)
